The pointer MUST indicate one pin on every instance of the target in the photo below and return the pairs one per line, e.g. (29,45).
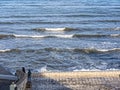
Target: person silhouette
(29,75)
(23,69)
(29,83)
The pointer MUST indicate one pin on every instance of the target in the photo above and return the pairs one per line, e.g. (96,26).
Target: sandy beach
(90,80)
(79,74)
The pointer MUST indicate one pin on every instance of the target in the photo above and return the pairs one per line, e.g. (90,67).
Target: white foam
(115,35)
(6,50)
(53,35)
(64,36)
(103,50)
(55,29)
(117,28)
(115,49)
(111,69)
(43,36)
(87,70)
(106,50)
(29,36)
(43,69)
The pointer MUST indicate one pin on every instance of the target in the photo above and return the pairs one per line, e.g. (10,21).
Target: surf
(9,50)
(8,36)
(55,29)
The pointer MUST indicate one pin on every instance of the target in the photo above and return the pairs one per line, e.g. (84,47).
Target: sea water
(60,35)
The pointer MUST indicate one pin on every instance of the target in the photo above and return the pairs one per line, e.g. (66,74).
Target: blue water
(60,35)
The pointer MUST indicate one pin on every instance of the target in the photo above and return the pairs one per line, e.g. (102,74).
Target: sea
(60,35)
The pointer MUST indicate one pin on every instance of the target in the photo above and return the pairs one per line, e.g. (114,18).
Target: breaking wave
(9,50)
(58,36)
(55,29)
(117,28)
(43,36)
(34,36)
(115,35)
(93,50)
(65,36)
(84,50)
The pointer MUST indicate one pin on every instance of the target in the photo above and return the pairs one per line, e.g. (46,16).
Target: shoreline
(80,74)
(80,80)
(77,80)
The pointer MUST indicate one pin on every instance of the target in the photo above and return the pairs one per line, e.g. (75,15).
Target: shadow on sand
(43,83)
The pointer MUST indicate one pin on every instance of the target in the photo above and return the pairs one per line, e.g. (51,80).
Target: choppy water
(60,35)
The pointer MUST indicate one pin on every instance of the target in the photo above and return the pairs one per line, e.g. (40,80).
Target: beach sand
(89,80)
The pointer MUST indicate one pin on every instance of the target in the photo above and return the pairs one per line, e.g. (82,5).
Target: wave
(7,23)
(57,22)
(103,28)
(35,36)
(95,35)
(58,36)
(6,36)
(42,69)
(11,22)
(67,36)
(9,50)
(115,35)
(43,36)
(105,21)
(117,28)
(84,50)
(83,15)
(80,35)
(6,50)
(93,50)
(54,29)
(114,28)
(18,16)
